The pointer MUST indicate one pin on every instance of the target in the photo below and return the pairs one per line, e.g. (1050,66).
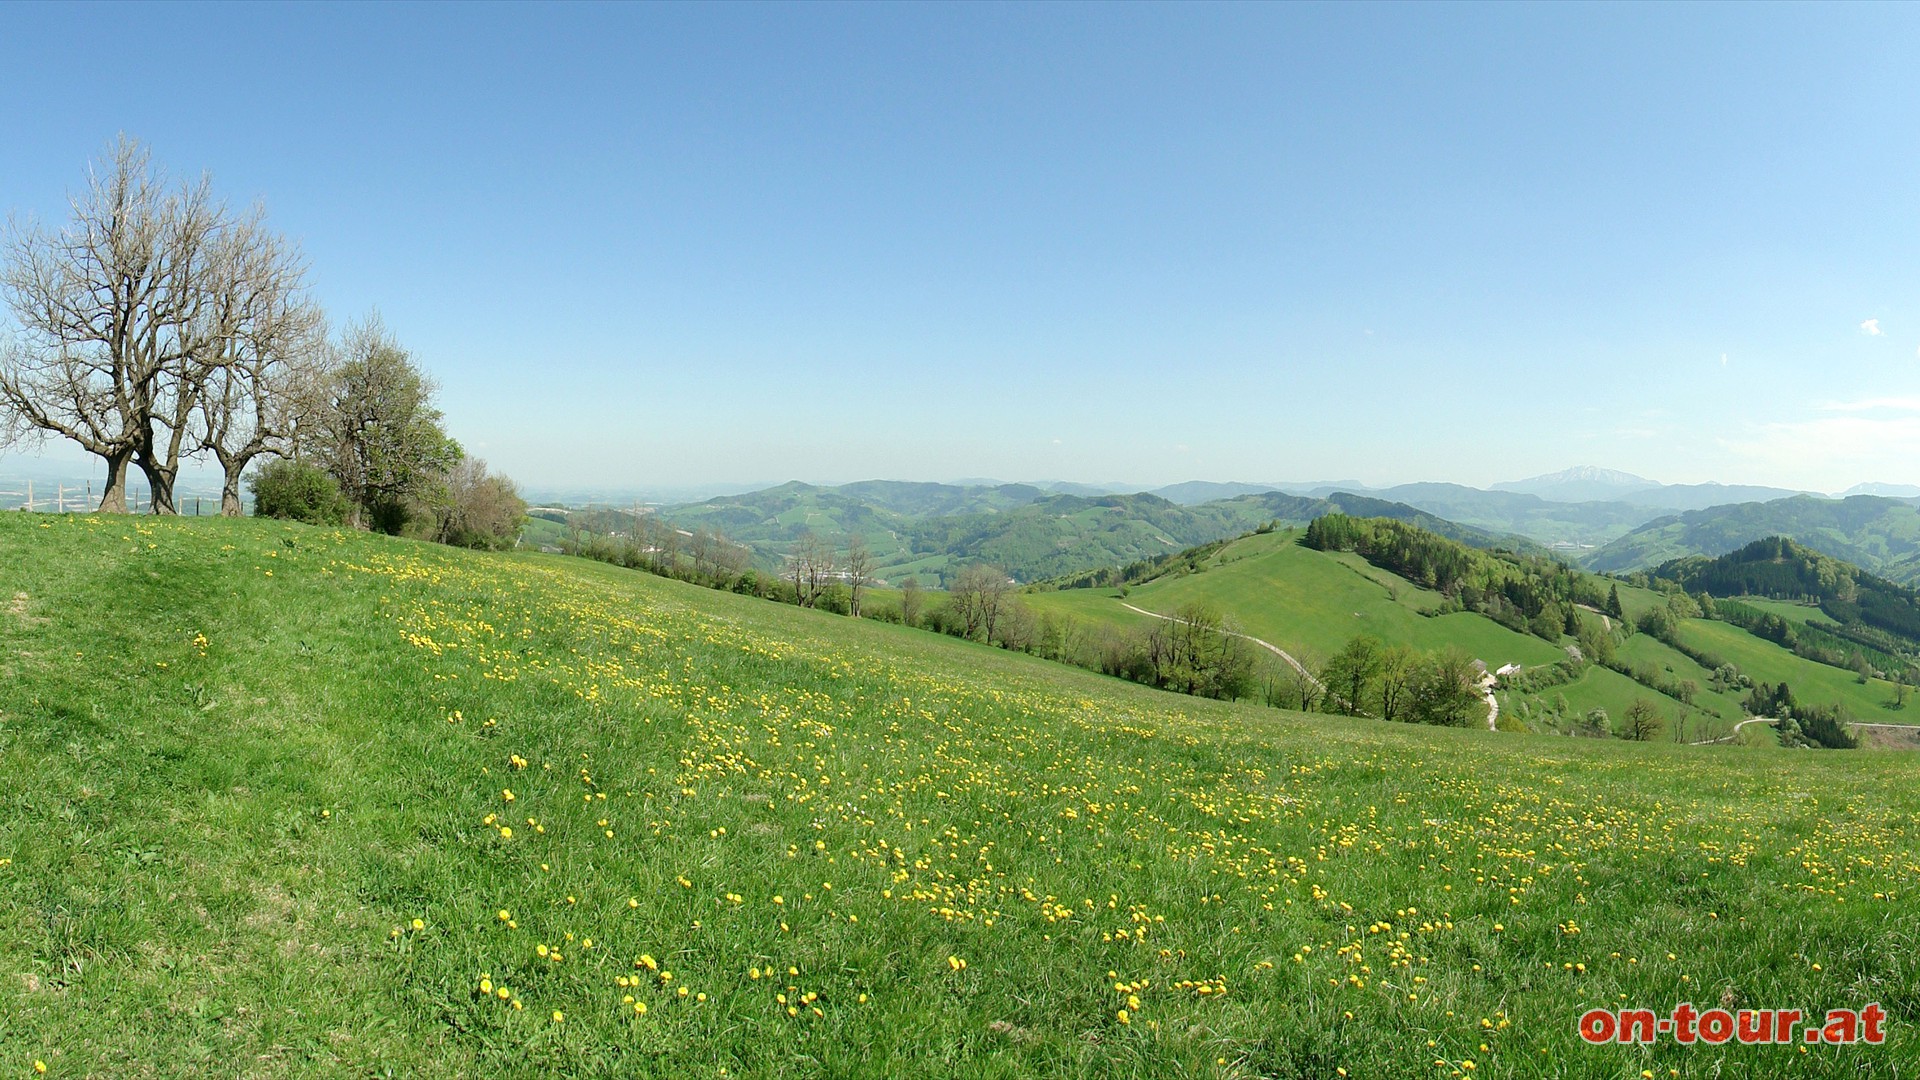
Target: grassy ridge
(1311,602)
(241,759)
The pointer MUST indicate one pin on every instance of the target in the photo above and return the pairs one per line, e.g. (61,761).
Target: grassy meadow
(1311,602)
(281,801)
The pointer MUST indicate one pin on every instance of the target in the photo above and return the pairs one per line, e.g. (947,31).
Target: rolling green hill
(541,532)
(928,529)
(283,801)
(1310,603)
(1880,535)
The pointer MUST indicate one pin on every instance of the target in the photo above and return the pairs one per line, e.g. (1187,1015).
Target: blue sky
(654,246)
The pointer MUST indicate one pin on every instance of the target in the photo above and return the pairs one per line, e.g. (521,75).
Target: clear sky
(649,245)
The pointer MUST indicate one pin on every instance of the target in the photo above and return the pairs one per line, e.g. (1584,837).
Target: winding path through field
(1605,619)
(1267,645)
(1772,720)
(1493,703)
(1731,735)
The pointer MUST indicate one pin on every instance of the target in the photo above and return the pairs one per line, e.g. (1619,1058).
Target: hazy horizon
(65,465)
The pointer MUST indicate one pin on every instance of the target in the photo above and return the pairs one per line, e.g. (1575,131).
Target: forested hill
(1879,534)
(928,529)
(1515,589)
(1781,569)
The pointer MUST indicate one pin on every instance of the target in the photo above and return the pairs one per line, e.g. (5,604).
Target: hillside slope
(1310,603)
(926,530)
(1877,534)
(292,802)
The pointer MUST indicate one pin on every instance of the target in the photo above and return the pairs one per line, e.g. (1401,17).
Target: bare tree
(1017,628)
(910,599)
(1642,722)
(701,547)
(110,307)
(268,359)
(652,538)
(730,560)
(975,598)
(1307,689)
(810,566)
(859,565)
(668,545)
(152,298)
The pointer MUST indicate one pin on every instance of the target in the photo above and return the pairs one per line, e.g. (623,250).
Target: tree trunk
(230,491)
(113,498)
(159,486)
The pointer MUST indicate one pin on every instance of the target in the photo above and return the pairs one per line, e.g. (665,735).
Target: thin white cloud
(1871,328)
(1829,449)
(1906,404)
(1723,359)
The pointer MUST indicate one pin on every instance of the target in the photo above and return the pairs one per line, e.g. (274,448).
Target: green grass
(1310,603)
(1787,609)
(539,532)
(1596,688)
(1813,684)
(239,759)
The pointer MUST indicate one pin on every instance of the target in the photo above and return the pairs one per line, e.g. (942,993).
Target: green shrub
(298,491)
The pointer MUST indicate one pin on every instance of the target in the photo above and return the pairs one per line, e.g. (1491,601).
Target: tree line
(1395,682)
(1193,652)
(159,325)
(1879,611)
(1528,594)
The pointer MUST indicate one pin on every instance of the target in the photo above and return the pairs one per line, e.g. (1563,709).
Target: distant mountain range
(1891,491)
(1048,528)
(925,529)
(1582,483)
(1877,534)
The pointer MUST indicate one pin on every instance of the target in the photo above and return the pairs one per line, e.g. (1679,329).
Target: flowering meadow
(283,801)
